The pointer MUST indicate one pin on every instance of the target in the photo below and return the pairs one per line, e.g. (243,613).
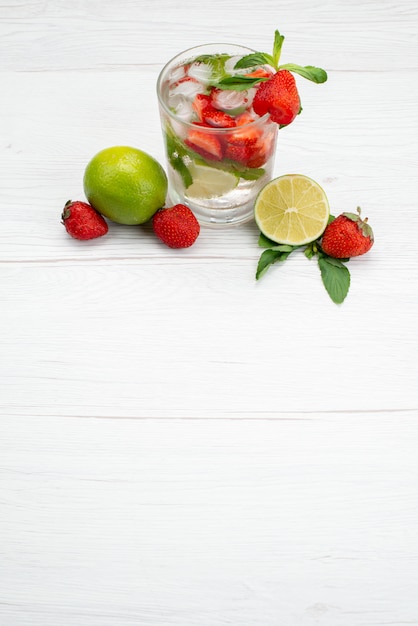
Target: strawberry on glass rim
(276,93)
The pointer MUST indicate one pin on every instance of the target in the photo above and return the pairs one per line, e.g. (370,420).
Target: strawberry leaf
(315,74)
(336,278)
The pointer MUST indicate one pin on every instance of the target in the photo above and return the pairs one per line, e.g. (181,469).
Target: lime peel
(292,209)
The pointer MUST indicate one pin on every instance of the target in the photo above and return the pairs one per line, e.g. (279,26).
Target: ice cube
(250,96)
(201,72)
(230,64)
(228,100)
(177,74)
(181,106)
(187,87)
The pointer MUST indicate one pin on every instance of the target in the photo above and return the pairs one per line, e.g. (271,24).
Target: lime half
(210,182)
(292,209)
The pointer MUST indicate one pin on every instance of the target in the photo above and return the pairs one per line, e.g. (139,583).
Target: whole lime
(125,184)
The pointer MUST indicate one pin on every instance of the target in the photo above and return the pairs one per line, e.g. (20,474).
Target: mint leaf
(283,247)
(265,242)
(253,173)
(268,258)
(216,62)
(336,278)
(315,74)
(277,48)
(238,83)
(271,256)
(175,152)
(251,60)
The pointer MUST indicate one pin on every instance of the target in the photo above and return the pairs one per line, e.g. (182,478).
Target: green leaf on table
(271,256)
(336,278)
(265,242)
(315,74)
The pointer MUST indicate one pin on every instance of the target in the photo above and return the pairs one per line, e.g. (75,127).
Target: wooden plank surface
(300,521)
(179,443)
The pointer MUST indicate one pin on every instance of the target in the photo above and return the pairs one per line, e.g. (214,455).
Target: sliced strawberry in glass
(200,103)
(217,119)
(205,144)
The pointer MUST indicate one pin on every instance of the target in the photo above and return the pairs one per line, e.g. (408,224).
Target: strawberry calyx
(363,224)
(66,211)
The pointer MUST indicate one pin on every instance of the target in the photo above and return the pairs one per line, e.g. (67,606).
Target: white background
(181,445)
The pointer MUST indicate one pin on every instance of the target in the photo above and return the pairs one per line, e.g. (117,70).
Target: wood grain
(182,445)
(176,522)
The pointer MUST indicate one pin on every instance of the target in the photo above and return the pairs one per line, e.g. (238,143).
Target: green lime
(209,182)
(125,184)
(292,209)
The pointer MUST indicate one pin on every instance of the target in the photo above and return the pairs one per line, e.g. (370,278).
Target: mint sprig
(334,273)
(239,82)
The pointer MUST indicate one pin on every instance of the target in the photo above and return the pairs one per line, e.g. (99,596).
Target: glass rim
(205,129)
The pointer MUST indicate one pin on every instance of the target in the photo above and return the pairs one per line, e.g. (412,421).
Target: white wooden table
(180,444)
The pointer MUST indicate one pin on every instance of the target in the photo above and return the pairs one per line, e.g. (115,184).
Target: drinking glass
(216,171)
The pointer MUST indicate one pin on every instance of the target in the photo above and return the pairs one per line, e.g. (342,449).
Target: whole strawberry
(279,97)
(82,221)
(348,235)
(176,226)
(277,94)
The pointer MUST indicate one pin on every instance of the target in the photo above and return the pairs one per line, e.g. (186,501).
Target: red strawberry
(246,135)
(260,72)
(348,235)
(205,144)
(248,145)
(200,103)
(261,153)
(82,221)
(240,144)
(241,154)
(245,118)
(279,97)
(176,226)
(215,117)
